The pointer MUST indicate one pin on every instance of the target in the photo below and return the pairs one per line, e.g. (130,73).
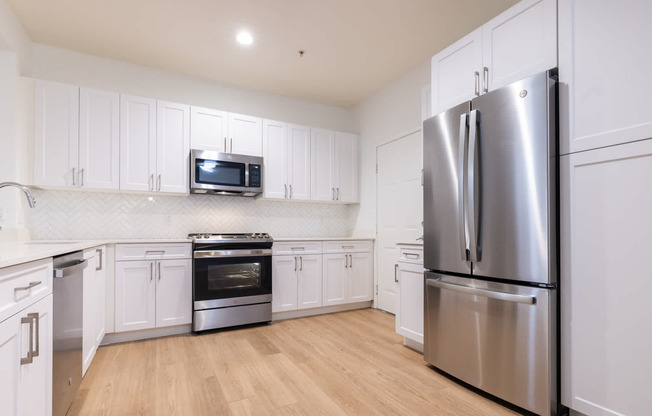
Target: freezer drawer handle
(508,297)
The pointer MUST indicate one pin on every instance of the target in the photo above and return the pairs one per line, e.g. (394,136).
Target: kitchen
(598,116)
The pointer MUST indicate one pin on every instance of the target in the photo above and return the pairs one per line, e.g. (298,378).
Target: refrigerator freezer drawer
(496,337)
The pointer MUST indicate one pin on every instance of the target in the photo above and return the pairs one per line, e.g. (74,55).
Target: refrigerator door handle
(508,297)
(461,191)
(473,220)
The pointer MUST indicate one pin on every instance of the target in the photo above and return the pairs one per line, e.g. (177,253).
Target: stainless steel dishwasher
(67,329)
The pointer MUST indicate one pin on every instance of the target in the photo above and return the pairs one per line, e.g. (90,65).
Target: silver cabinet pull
(348,247)
(290,191)
(477,83)
(485,79)
(31,319)
(28,287)
(150,182)
(100,252)
(74,171)
(474,119)
(351,261)
(285,192)
(491,294)
(231,149)
(301,258)
(414,256)
(158,183)
(161,252)
(159,271)
(81,177)
(37,323)
(395,271)
(151,271)
(346,261)
(295,264)
(461,191)
(297,248)
(333,194)
(338,194)
(225,149)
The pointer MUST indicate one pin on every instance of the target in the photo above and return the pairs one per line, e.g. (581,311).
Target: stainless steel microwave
(225,173)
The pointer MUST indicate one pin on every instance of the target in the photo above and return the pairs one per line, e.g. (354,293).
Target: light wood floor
(349,363)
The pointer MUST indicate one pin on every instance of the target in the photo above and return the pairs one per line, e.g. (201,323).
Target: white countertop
(323,239)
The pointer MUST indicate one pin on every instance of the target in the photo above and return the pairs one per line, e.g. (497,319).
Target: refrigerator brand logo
(523,93)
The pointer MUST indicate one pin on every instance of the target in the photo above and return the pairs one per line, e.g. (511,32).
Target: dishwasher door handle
(71,268)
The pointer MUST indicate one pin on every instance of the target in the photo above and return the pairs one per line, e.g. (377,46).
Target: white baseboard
(118,337)
(279,316)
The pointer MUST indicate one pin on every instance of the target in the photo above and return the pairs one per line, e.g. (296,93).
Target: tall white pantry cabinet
(606,169)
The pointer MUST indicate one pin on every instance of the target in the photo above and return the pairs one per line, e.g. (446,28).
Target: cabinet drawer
(347,246)
(297,247)
(24,284)
(410,254)
(153,251)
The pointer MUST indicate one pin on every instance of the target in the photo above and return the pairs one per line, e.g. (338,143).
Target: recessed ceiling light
(244,38)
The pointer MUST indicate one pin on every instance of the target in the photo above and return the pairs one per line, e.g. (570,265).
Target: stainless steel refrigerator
(490,243)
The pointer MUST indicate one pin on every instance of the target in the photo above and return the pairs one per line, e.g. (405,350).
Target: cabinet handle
(414,256)
(159,271)
(346,261)
(151,271)
(30,352)
(81,177)
(34,316)
(295,264)
(477,83)
(297,248)
(100,252)
(74,171)
(301,258)
(158,183)
(290,191)
(29,286)
(333,194)
(485,80)
(225,149)
(285,192)
(351,261)
(348,247)
(395,270)
(338,194)
(231,147)
(150,182)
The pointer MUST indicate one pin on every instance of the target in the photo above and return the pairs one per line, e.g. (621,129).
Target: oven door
(223,278)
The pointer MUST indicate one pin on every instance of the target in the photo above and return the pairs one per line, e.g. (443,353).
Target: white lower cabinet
(605,309)
(347,272)
(152,293)
(94,303)
(409,294)
(26,340)
(297,282)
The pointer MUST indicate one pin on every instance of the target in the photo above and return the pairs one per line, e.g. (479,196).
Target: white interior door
(399,204)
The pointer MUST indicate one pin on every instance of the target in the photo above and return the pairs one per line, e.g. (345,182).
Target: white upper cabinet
(334,166)
(286,148)
(172,147)
(208,129)
(76,137)
(518,43)
(154,145)
(604,65)
(245,135)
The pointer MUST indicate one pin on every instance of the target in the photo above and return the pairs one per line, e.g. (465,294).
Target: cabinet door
(135,295)
(100,295)
(10,354)
(245,135)
(90,309)
(56,134)
(284,283)
(172,147)
(334,279)
(208,129)
(457,72)
(519,43)
(173,292)
(409,299)
(347,167)
(604,298)
(137,143)
(298,162)
(604,75)
(309,283)
(275,151)
(35,380)
(99,139)
(361,277)
(322,164)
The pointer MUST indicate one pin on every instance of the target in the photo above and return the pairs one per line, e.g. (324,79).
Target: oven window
(228,277)
(219,173)
(234,276)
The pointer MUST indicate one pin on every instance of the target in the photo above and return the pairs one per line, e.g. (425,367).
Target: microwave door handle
(461,194)
(472,211)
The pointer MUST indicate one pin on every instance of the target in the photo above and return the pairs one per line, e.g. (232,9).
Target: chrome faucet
(28,193)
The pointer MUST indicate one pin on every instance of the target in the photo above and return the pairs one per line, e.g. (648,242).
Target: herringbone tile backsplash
(90,215)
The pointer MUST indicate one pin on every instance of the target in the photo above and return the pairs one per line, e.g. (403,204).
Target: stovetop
(238,238)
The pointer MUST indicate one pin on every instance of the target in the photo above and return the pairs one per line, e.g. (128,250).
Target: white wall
(391,113)
(61,65)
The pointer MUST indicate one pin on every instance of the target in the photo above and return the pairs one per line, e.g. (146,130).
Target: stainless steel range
(232,280)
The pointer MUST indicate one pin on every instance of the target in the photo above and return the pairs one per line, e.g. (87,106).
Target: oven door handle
(212,254)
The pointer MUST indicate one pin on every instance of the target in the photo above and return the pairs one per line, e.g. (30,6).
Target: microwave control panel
(254,176)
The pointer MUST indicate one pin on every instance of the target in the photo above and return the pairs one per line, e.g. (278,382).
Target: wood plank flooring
(348,363)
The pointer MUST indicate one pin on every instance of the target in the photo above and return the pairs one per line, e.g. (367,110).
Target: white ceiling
(352,47)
